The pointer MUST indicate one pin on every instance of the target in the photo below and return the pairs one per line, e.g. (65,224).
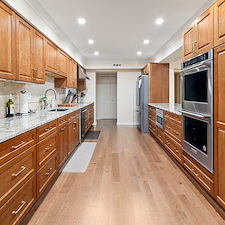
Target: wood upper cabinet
(7,40)
(56,59)
(219,22)
(51,57)
(188,42)
(23,50)
(198,37)
(30,52)
(38,57)
(146,69)
(72,74)
(62,63)
(219,124)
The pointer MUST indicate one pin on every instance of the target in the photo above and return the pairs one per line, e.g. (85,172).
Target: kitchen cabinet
(62,140)
(71,80)
(204,177)
(89,117)
(146,69)
(30,52)
(47,163)
(81,85)
(219,124)
(56,59)
(73,131)
(219,23)
(198,37)
(7,40)
(158,82)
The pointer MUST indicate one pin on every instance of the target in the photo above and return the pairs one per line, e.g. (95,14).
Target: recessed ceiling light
(96,53)
(139,53)
(146,41)
(81,21)
(91,41)
(159,21)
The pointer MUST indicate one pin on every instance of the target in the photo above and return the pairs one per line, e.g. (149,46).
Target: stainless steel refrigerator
(142,103)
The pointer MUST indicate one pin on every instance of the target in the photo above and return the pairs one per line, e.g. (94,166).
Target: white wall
(126,97)
(90,92)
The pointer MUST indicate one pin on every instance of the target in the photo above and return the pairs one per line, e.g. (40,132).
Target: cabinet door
(188,42)
(38,58)
(62,144)
(73,74)
(204,32)
(219,124)
(219,22)
(51,57)
(72,135)
(62,63)
(23,50)
(7,40)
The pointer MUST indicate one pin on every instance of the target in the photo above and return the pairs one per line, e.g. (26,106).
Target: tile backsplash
(36,90)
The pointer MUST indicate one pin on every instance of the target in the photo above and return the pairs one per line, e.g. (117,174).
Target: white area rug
(79,161)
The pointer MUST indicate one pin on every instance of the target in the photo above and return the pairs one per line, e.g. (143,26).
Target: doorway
(106,96)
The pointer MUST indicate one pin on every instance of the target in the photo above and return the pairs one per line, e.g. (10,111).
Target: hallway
(130,181)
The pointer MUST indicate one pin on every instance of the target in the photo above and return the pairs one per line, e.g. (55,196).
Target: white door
(108,97)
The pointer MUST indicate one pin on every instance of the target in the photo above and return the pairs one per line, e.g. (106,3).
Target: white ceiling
(119,27)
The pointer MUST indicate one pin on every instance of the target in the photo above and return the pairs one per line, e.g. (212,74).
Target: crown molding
(175,42)
(41,11)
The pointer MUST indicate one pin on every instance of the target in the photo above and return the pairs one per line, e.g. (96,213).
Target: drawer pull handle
(19,172)
(48,148)
(196,174)
(19,145)
(21,206)
(48,173)
(48,129)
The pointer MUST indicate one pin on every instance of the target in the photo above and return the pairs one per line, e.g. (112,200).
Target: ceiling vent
(117,64)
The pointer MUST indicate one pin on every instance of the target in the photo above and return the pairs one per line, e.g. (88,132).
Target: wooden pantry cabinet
(7,40)
(198,37)
(219,124)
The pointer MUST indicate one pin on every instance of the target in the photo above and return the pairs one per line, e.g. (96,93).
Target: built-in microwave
(197,80)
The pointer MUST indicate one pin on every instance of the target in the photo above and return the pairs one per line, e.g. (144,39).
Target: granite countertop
(170,107)
(14,126)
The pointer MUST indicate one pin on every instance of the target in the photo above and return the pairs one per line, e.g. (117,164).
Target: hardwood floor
(130,181)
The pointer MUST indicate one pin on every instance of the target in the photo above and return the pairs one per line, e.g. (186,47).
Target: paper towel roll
(23,103)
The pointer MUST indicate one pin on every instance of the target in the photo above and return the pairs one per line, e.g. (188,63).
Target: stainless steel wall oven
(197,108)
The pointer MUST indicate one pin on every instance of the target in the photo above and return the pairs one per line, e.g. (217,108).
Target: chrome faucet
(50,89)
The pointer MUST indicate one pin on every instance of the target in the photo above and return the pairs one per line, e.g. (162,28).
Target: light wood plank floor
(130,181)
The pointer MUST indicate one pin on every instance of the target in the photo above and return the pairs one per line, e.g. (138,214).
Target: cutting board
(67,105)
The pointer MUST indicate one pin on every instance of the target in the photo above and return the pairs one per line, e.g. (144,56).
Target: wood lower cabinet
(204,177)
(14,210)
(198,37)
(46,174)
(46,130)
(73,131)
(62,140)
(219,124)
(89,117)
(219,23)
(7,40)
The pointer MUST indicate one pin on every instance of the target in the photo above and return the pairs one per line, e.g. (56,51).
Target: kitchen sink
(58,110)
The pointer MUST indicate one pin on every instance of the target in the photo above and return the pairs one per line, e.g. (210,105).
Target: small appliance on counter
(23,104)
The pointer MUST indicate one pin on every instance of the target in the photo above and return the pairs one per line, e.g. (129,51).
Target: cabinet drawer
(15,146)
(173,117)
(17,207)
(46,174)
(199,175)
(174,148)
(151,114)
(160,135)
(46,129)
(174,130)
(45,149)
(62,121)
(152,127)
(15,172)
(72,116)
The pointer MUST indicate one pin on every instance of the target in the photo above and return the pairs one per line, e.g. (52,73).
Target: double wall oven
(197,108)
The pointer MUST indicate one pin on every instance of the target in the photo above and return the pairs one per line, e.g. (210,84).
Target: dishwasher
(83,110)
